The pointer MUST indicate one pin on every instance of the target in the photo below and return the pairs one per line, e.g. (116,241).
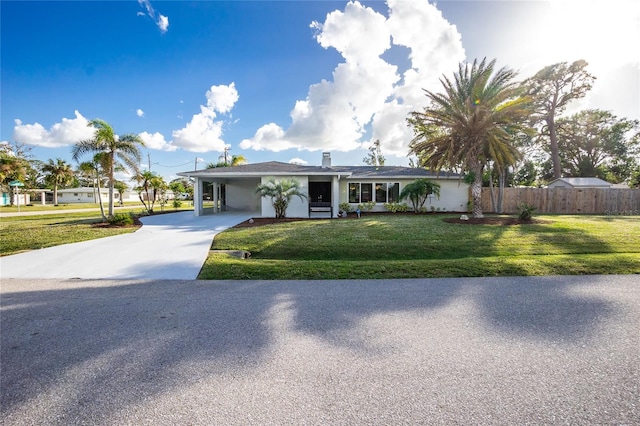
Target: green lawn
(129,205)
(34,232)
(407,246)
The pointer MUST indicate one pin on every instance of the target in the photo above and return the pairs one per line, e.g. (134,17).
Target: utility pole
(226,153)
(195,164)
(149,158)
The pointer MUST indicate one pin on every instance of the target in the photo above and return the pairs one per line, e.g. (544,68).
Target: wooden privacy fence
(567,200)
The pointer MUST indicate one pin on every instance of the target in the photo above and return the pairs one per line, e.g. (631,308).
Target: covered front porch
(213,195)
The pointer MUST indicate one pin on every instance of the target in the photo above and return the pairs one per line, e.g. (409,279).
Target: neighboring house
(579,182)
(168,194)
(23,198)
(327,186)
(90,195)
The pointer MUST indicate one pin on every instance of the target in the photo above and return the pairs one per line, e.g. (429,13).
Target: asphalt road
(542,350)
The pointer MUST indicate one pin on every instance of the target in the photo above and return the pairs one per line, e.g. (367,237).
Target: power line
(179,165)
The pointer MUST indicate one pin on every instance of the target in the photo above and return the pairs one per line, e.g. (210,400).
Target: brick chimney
(326,159)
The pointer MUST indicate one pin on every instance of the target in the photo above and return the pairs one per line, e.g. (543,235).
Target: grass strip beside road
(23,233)
(130,205)
(389,246)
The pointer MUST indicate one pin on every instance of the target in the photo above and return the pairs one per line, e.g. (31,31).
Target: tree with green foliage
(526,174)
(16,164)
(57,173)
(551,90)
(634,180)
(418,192)
(121,187)
(149,184)
(182,186)
(281,192)
(375,156)
(596,143)
(236,160)
(474,120)
(96,170)
(124,148)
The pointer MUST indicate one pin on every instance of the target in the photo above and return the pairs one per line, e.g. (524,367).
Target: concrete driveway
(167,246)
(488,351)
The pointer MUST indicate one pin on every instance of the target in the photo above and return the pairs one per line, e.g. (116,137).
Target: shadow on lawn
(109,346)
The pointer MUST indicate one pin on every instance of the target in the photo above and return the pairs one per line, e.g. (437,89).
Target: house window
(75,194)
(90,195)
(394,192)
(354,192)
(381,192)
(366,192)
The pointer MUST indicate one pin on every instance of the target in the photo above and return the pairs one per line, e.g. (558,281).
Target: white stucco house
(234,188)
(90,195)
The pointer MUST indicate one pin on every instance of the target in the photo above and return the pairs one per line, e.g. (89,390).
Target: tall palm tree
(95,169)
(57,173)
(473,121)
(281,192)
(123,148)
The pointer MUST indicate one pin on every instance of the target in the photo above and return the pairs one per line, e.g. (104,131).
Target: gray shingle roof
(279,168)
(391,171)
(584,182)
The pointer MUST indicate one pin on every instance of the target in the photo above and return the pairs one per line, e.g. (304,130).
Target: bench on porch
(320,207)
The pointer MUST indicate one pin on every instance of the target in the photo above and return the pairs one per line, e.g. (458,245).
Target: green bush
(345,207)
(121,219)
(177,203)
(396,207)
(525,211)
(367,207)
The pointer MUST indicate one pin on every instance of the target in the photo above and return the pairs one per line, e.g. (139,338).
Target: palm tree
(475,120)
(121,187)
(281,192)
(95,169)
(236,160)
(58,173)
(419,191)
(151,184)
(123,148)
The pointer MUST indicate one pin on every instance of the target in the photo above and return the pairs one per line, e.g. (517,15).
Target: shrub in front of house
(367,207)
(396,207)
(121,219)
(345,207)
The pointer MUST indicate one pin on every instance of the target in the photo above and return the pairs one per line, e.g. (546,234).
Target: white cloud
(156,141)
(222,98)
(161,21)
(298,161)
(139,112)
(368,94)
(203,133)
(270,136)
(68,132)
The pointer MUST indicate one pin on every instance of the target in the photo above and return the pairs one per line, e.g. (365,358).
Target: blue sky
(281,80)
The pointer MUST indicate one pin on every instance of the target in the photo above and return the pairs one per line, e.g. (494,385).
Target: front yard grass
(22,233)
(407,246)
